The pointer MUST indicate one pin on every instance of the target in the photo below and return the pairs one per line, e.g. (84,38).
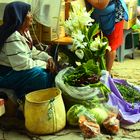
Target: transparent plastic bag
(79,93)
(88,125)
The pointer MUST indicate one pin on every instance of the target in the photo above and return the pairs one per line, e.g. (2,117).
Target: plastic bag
(80,93)
(88,126)
(86,95)
(112,124)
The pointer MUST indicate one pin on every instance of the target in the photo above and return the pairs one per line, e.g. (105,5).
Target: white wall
(3,4)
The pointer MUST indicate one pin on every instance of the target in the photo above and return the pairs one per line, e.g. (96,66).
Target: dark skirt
(25,81)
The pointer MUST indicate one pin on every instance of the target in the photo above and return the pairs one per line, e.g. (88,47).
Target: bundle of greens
(85,74)
(129,93)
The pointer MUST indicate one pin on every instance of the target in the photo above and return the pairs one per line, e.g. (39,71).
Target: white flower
(78,40)
(78,19)
(98,44)
(79,53)
(78,35)
(78,45)
(94,46)
(79,27)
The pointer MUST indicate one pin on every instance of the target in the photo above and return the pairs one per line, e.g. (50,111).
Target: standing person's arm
(99,4)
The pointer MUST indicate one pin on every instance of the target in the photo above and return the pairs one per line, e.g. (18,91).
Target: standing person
(23,68)
(110,14)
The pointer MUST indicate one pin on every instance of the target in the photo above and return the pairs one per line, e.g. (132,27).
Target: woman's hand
(51,65)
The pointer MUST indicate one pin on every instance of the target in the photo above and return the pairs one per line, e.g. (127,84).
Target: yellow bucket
(44,111)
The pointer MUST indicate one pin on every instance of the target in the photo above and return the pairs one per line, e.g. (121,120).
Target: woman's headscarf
(13,18)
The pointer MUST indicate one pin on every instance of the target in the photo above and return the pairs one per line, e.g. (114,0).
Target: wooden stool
(124,49)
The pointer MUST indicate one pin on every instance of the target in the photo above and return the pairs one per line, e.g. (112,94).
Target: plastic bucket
(44,111)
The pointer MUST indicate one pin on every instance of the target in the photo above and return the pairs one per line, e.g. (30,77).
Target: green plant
(88,40)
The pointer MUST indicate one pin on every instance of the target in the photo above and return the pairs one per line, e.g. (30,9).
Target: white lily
(78,40)
(78,19)
(78,35)
(78,45)
(94,46)
(79,53)
(80,27)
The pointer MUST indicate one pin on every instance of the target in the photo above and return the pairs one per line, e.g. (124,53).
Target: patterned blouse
(119,11)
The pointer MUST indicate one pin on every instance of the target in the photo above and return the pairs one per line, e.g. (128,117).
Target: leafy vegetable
(99,113)
(93,30)
(129,93)
(85,74)
(73,114)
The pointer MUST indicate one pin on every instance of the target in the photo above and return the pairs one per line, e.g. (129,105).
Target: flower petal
(79,53)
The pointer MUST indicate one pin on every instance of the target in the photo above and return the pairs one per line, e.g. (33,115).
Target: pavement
(129,69)
(14,129)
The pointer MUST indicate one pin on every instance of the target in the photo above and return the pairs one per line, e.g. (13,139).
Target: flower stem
(102,63)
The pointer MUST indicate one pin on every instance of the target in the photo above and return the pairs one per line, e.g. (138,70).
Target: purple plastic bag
(129,113)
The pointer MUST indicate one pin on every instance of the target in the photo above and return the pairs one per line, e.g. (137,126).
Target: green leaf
(93,30)
(87,54)
(102,63)
(90,67)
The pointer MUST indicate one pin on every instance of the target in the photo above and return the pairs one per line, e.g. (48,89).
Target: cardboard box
(52,33)
(35,32)
(48,34)
(61,29)
(132,13)
(132,8)
(44,33)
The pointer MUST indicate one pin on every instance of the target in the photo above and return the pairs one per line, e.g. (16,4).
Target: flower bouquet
(88,41)
(89,46)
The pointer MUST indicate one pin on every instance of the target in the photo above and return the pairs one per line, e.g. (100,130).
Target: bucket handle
(52,114)
(50,109)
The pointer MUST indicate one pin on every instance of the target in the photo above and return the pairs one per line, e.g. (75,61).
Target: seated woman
(23,68)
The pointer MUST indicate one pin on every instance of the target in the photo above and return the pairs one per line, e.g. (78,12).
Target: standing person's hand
(99,4)
(51,65)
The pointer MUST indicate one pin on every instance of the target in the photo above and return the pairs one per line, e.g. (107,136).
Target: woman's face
(28,20)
